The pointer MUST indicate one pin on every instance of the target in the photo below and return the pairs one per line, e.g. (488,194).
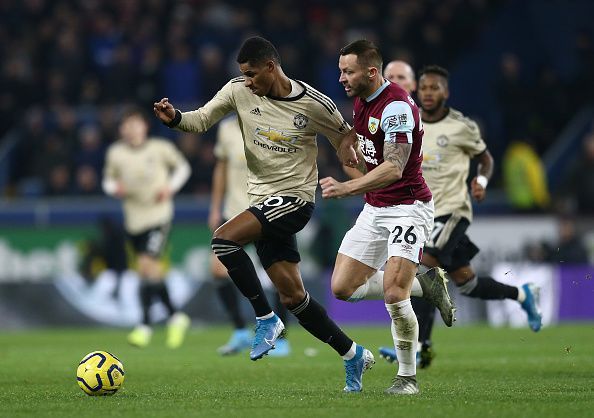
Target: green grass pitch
(478,372)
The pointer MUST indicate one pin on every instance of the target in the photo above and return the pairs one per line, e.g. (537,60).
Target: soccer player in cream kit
(279,119)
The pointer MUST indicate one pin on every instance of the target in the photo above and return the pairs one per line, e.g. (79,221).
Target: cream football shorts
(391,231)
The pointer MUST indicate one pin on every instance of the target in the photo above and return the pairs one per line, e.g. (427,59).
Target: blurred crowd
(69,66)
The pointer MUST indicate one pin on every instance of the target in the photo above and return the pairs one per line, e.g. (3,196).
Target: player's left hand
(164,194)
(477,191)
(332,188)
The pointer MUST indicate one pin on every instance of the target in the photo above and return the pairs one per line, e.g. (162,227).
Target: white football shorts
(391,231)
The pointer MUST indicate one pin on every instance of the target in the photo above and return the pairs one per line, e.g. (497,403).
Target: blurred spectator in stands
(67,60)
(584,81)
(570,249)
(524,178)
(212,66)
(90,150)
(148,76)
(577,192)
(120,77)
(512,96)
(86,181)
(181,76)
(550,108)
(58,181)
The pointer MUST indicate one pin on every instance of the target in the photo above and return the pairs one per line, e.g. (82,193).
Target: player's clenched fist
(332,188)
(164,110)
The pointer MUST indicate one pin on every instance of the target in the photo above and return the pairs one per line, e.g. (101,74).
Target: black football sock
(146,300)
(488,288)
(425,312)
(160,289)
(241,270)
(313,317)
(228,296)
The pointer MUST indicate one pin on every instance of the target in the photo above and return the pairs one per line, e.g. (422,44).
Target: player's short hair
(435,69)
(257,50)
(135,111)
(368,54)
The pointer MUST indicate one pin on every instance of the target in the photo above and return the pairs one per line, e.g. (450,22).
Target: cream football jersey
(229,147)
(448,146)
(143,171)
(279,135)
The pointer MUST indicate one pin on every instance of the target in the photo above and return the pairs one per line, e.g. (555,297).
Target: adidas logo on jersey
(256,112)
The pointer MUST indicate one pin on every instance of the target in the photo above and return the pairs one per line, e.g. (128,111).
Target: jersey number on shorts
(409,236)
(155,241)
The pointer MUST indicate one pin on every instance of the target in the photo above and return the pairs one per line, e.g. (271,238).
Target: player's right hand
(347,150)
(164,110)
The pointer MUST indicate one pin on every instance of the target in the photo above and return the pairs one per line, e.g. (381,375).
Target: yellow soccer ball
(100,373)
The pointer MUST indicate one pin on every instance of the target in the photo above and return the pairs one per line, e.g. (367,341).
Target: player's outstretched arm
(395,158)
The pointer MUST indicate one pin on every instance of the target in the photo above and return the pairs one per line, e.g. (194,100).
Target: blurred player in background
(401,73)
(279,119)
(451,141)
(229,198)
(398,214)
(145,173)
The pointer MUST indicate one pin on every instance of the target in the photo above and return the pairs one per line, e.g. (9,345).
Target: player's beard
(361,89)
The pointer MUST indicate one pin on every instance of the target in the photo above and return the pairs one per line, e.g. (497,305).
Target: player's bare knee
(341,290)
(395,294)
(293,299)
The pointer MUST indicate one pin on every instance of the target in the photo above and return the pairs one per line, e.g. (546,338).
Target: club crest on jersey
(373,124)
(442,141)
(300,121)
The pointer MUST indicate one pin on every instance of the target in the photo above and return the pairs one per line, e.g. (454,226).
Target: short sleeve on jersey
(472,142)
(398,123)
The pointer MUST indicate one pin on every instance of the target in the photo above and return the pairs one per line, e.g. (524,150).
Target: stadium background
(523,69)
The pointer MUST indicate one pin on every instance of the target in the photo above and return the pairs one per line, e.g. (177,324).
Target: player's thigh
(241,229)
(348,275)
(398,277)
(365,242)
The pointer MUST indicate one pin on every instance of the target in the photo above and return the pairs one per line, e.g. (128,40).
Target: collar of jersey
(378,91)
(290,99)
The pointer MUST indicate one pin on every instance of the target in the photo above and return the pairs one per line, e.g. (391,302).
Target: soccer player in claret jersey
(398,214)
(280,118)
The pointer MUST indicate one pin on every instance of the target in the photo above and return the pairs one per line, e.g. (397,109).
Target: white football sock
(521,294)
(416,289)
(267,316)
(405,332)
(372,289)
(351,353)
